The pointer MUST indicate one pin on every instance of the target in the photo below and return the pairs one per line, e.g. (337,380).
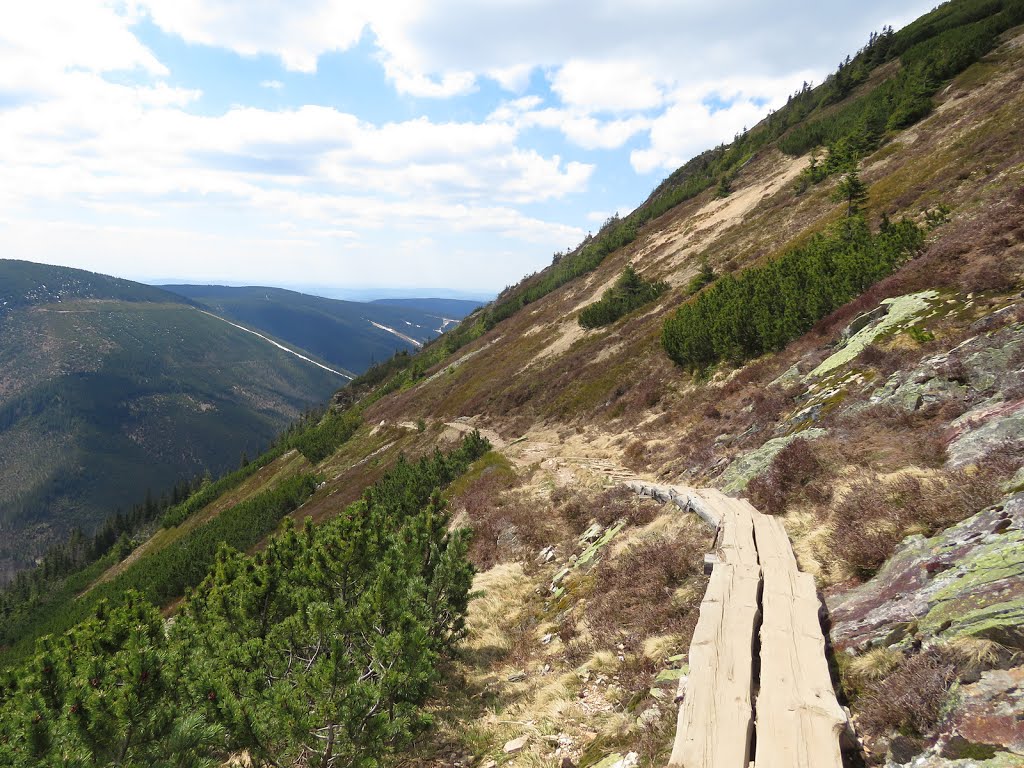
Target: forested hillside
(112,390)
(349,334)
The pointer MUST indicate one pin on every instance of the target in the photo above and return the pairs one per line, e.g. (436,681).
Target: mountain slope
(455,309)
(108,391)
(887,438)
(348,334)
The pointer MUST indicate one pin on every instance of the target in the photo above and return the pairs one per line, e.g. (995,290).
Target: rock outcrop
(968,580)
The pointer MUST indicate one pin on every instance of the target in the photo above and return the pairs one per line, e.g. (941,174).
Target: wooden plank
(799,721)
(716,721)
(736,534)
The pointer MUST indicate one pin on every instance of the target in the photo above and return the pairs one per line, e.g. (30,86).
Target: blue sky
(412,146)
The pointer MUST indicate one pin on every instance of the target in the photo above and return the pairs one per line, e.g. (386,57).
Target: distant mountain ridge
(349,334)
(26,283)
(451,308)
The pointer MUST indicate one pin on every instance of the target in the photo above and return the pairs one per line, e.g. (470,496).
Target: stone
(649,716)
(670,675)
(591,552)
(901,310)
(988,713)
(509,544)
(631,760)
(745,468)
(994,424)
(862,321)
(516,677)
(788,377)
(903,749)
(516,745)
(967,580)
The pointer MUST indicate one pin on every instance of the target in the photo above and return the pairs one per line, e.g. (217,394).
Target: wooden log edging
(686,499)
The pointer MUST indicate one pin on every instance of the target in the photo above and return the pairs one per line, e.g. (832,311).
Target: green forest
(321,649)
(764,307)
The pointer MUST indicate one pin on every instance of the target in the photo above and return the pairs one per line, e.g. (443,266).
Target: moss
(491,463)
(959,748)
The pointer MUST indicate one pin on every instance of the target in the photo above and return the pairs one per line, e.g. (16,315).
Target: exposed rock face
(971,372)
(992,425)
(984,730)
(745,468)
(899,311)
(968,580)
(989,713)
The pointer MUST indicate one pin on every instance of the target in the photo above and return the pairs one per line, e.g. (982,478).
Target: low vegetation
(873,516)
(765,307)
(320,649)
(629,292)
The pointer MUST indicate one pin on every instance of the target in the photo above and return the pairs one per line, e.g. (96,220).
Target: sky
(443,147)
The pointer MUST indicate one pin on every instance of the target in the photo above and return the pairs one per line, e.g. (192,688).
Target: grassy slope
(612,394)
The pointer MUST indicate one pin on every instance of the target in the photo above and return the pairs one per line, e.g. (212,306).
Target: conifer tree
(852,191)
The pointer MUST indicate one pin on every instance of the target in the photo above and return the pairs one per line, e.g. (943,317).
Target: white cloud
(613,85)
(296,32)
(611,55)
(576,125)
(704,115)
(102,154)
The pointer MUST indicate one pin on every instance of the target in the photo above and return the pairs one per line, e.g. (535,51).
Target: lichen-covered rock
(972,371)
(984,729)
(901,311)
(995,424)
(989,713)
(745,468)
(968,580)
(908,391)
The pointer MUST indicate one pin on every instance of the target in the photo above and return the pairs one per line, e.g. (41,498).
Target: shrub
(911,698)
(609,507)
(629,292)
(790,475)
(765,307)
(873,517)
(633,593)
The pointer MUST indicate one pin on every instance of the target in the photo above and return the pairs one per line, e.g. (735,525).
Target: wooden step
(799,721)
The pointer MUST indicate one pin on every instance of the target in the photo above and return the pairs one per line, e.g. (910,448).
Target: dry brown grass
(873,516)
(635,593)
(507,525)
(911,698)
(607,508)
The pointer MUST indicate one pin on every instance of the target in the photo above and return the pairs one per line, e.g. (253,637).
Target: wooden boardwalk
(759,692)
